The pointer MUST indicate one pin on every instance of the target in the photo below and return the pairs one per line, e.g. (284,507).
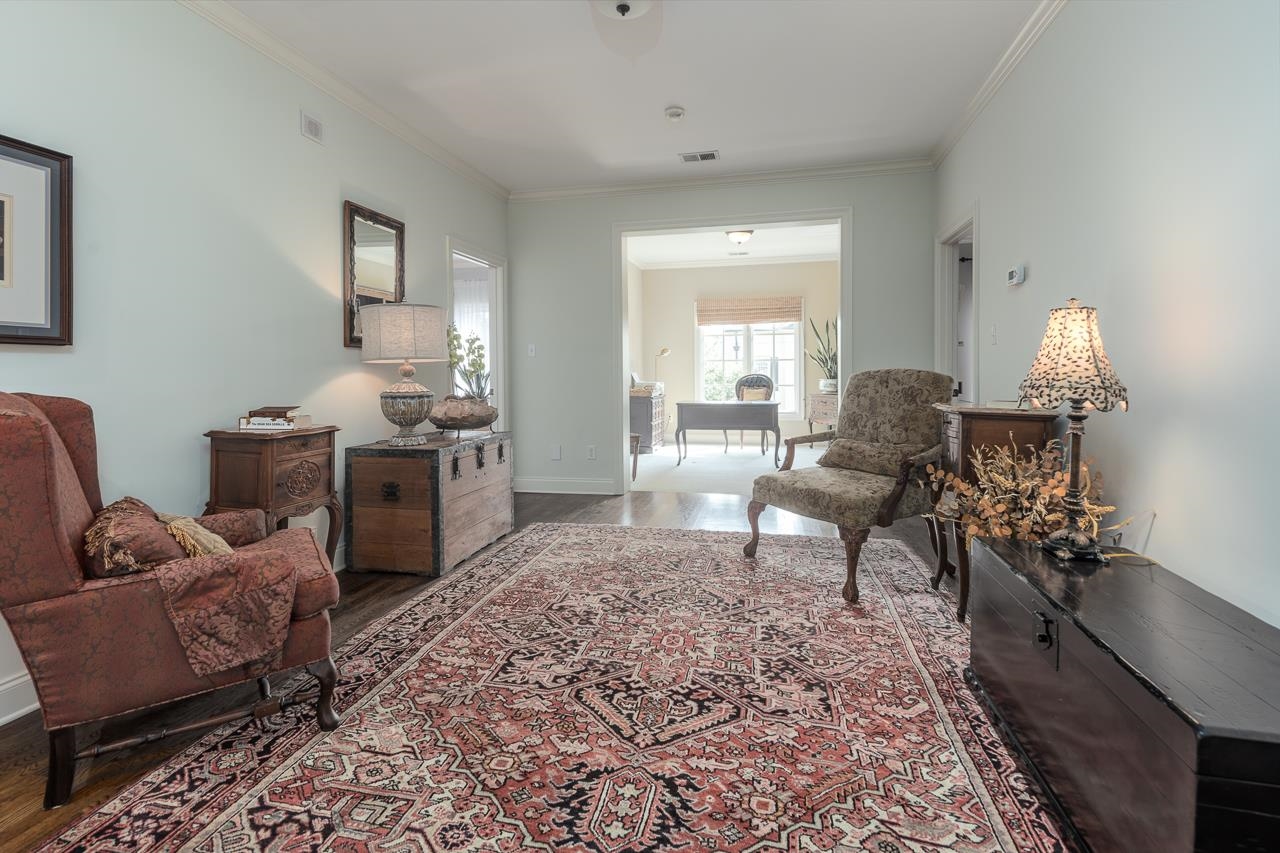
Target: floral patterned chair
(888,429)
(100,647)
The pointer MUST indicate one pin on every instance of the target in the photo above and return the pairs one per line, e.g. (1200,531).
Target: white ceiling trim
(242,27)
(826,173)
(736,262)
(1030,33)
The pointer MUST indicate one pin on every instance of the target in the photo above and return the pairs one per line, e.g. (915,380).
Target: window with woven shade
(750,334)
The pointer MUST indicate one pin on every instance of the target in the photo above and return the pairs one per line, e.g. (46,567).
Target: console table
(726,415)
(284,474)
(1148,708)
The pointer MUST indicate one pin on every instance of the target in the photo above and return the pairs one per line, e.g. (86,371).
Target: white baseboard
(17,697)
(566,485)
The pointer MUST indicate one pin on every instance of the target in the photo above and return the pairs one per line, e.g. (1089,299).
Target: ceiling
(547,94)
(710,247)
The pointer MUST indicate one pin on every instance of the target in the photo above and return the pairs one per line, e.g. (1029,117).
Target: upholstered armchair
(99,647)
(887,430)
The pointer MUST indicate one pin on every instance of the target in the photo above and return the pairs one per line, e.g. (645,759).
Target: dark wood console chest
(425,509)
(1150,708)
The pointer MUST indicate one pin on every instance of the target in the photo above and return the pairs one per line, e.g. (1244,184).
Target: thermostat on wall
(1017,275)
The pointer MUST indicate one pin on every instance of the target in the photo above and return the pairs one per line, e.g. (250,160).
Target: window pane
(787,398)
(786,372)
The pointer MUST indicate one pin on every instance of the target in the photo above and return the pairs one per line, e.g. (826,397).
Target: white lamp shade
(1072,364)
(397,332)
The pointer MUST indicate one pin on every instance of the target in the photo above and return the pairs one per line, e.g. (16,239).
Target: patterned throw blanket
(230,610)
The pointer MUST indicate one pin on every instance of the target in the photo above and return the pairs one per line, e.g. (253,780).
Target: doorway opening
(719,327)
(956,309)
(476,299)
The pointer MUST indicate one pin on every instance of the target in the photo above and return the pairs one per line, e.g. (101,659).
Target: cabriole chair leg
(753,518)
(327,674)
(853,540)
(62,767)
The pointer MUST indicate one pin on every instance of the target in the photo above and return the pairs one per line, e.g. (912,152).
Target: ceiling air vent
(699,156)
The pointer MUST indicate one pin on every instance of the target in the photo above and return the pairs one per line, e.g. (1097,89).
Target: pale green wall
(207,238)
(1133,160)
(564,287)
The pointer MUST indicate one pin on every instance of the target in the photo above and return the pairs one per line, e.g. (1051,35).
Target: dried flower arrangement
(1014,495)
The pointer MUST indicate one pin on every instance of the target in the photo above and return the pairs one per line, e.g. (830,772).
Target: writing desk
(726,415)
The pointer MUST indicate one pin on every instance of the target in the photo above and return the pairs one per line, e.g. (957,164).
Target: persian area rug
(614,689)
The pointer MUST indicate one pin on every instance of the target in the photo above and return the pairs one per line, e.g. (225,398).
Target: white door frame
(497,324)
(946,292)
(622,359)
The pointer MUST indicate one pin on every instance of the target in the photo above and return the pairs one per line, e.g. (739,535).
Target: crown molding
(235,22)
(738,262)
(826,173)
(1030,33)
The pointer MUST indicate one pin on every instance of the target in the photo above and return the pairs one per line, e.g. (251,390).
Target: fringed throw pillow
(129,536)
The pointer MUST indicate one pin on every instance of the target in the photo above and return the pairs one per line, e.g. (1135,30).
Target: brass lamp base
(1074,544)
(406,404)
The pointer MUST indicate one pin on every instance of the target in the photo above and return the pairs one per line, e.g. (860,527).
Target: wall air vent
(699,156)
(311,127)
(738,254)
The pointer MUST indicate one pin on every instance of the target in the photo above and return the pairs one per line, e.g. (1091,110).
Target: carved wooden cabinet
(285,474)
(648,420)
(425,509)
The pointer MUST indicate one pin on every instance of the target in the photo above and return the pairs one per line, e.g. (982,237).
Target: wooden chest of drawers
(966,428)
(649,421)
(1149,707)
(425,509)
(285,474)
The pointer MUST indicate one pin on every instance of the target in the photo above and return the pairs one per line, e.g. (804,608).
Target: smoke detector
(674,113)
(622,10)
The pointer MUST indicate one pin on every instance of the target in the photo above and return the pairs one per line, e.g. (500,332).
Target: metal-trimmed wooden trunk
(425,509)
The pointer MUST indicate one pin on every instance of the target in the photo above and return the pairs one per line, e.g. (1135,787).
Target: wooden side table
(285,474)
(965,428)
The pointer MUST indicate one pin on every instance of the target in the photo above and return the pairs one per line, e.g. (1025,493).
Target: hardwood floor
(365,597)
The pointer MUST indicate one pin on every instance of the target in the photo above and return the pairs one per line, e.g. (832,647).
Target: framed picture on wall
(35,244)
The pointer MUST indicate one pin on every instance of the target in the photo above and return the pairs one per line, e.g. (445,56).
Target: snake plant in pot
(825,356)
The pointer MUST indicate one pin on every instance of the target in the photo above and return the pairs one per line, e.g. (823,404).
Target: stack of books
(274,419)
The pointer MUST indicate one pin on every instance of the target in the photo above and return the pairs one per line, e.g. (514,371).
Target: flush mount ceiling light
(674,113)
(740,236)
(622,10)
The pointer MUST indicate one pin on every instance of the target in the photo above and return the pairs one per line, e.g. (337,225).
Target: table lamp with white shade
(1072,367)
(396,332)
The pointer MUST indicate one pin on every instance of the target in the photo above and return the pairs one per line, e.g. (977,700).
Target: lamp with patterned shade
(1072,367)
(397,332)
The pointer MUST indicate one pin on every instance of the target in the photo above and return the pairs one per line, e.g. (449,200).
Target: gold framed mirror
(372,264)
